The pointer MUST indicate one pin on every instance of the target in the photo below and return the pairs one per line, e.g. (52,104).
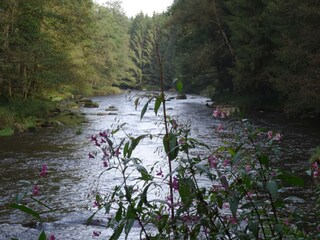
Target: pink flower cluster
(316,170)
(44,171)
(99,140)
(35,190)
(51,237)
(213,161)
(96,233)
(160,173)
(218,113)
(272,136)
(175,183)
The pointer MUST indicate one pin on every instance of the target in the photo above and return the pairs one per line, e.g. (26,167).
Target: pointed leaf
(234,202)
(272,187)
(42,236)
(179,86)
(254,228)
(157,103)
(292,179)
(25,209)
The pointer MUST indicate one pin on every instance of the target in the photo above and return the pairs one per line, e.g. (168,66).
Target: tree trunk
(221,30)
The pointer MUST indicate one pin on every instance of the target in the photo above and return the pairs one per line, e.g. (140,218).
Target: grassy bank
(18,115)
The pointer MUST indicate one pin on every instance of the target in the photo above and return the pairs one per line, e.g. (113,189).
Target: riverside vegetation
(261,55)
(230,191)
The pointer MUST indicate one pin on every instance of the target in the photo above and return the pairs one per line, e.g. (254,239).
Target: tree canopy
(266,52)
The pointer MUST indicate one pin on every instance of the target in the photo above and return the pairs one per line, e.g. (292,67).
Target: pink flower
(216,113)
(174,124)
(316,173)
(96,233)
(249,195)
(226,205)
(220,127)
(35,190)
(220,114)
(160,173)
(270,134)
(94,138)
(226,162)
(117,152)
(96,204)
(286,222)
(277,137)
(232,220)
(213,161)
(104,134)
(44,171)
(175,184)
(51,237)
(314,166)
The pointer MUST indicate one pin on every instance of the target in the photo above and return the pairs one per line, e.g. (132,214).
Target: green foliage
(6,131)
(230,191)
(202,56)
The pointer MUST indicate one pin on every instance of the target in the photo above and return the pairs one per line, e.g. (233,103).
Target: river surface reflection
(72,175)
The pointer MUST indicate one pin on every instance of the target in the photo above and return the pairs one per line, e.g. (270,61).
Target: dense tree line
(67,46)
(266,53)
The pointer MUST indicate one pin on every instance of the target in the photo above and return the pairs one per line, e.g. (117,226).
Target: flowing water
(72,175)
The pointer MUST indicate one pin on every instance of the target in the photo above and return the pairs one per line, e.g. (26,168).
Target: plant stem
(166,129)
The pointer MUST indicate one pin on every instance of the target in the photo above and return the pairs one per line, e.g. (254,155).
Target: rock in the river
(91,105)
(111,109)
(102,114)
(182,96)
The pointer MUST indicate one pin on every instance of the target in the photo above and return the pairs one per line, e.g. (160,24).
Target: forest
(261,55)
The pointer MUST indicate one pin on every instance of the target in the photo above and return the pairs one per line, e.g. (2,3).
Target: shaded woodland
(253,53)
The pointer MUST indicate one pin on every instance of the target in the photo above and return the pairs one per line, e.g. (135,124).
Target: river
(72,175)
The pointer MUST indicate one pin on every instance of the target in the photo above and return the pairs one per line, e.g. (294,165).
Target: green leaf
(157,103)
(292,179)
(128,226)
(278,228)
(309,172)
(272,187)
(294,199)
(234,202)
(26,209)
(254,228)
(136,103)
(117,232)
(126,149)
(145,108)
(42,236)
(170,144)
(179,86)
(186,188)
(143,171)
(118,216)
(89,220)
(264,160)
(232,151)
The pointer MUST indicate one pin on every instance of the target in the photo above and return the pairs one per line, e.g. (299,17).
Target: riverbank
(20,115)
(251,105)
(28,116)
